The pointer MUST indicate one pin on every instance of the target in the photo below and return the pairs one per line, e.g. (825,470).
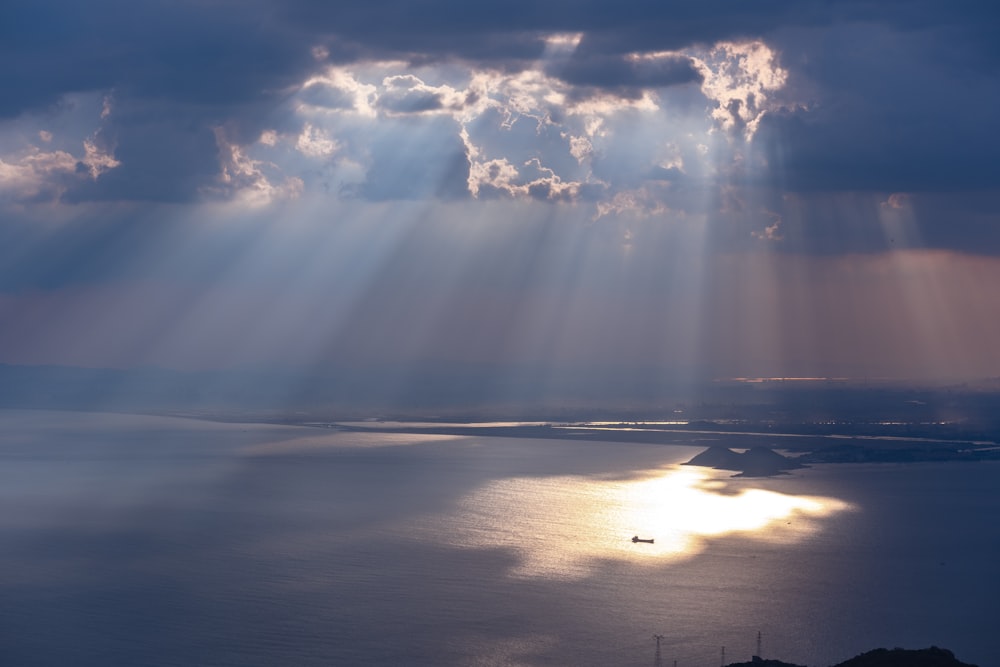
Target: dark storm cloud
(410,100)
(164,159)
(204,53)
(901,94)
(972,221)
(176,70)
(895,95)
(452,27)
(455,27)
(860,222)
(327,97)
(228,52)
(890,111)
(624,75)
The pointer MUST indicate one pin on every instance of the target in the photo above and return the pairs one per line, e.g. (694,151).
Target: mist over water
(148,540)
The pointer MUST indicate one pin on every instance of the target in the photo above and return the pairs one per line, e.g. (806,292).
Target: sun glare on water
(560,527)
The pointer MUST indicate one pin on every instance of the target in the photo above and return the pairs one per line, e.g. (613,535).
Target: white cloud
(561,43)
(605,105)
(315,142)
(897,201)
(338,89)
(773,231)
(97,160)
(268,138)
(525,134)
(534,181)
(738,78)
(31,173)
(640,202)
(579,147)
(408,94)
(499,174)
(247,181)
(36,173)
(673,159)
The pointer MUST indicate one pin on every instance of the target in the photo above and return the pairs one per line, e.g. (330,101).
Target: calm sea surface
(132,540)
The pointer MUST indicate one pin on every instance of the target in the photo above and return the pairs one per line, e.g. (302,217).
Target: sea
(151,540)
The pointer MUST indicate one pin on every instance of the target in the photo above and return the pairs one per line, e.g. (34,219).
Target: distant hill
(897,657)
(757,662)
(880,657)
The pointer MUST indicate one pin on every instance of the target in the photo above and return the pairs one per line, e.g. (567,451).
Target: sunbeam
(412,263)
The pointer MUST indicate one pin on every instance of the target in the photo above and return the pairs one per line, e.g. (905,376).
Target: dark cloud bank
(901,94)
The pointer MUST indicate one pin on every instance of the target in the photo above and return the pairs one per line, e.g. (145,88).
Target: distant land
(876,443)
(897,657)
(483,392)
(781,423)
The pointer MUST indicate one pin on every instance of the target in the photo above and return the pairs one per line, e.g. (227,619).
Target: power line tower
(722,662)
(759,654)
(658,660)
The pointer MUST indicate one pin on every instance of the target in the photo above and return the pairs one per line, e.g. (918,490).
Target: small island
(755,462)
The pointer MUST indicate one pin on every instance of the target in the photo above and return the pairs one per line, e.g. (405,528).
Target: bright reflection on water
(560,527)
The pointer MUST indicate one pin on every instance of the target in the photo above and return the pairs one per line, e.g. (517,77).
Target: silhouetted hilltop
(880,657)
(721,458)
(763,462)
(757,662)
(898,657)
(755,462)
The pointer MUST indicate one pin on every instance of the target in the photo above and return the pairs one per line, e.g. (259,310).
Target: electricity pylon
(658,661)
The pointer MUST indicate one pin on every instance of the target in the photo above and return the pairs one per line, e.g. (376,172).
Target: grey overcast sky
(710,189)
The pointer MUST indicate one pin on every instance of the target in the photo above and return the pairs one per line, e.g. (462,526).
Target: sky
(551,190)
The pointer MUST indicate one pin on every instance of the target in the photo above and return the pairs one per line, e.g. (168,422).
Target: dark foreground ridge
(880,657)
